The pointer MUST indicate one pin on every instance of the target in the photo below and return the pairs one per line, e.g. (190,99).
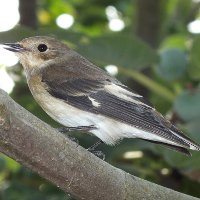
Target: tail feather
(170,146)
(192,145)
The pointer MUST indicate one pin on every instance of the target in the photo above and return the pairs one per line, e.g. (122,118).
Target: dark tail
(170,146)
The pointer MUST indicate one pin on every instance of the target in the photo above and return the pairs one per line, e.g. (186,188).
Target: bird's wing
(91,89)
(114,101)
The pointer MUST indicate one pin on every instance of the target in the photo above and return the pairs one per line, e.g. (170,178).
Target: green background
(156,56)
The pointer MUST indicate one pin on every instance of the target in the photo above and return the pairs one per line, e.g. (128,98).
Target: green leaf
(187,105)
(2,164)
(120,50)
(11,164)
(174,41)
(194,67)
(193,128)
(180,161)
(172,64)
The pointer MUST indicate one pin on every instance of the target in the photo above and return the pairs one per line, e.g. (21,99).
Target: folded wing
(113,100)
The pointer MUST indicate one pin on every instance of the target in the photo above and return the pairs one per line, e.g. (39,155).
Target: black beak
(14,47)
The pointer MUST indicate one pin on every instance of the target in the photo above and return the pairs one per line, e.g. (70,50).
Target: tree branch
(53,156)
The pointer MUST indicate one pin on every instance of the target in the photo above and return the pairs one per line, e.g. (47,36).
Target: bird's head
(35,52)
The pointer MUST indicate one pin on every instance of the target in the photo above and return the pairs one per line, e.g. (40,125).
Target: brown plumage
(75,92)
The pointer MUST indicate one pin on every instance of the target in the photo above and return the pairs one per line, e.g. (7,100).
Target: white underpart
(94,102)
(124,94)
(108,130)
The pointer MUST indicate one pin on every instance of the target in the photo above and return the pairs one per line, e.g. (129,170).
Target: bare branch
(49,153)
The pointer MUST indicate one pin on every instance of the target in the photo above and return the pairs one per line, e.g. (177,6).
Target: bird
(81,96)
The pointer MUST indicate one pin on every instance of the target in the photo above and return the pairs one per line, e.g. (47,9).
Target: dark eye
(42,47)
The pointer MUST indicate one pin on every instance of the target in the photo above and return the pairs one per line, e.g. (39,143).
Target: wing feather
(78,92)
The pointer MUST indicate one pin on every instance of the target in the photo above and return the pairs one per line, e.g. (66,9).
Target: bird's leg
(99,154)
(77,128)
(91,149)
(95,145)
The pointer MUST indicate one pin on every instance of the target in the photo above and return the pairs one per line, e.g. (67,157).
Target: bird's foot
(73,139)
(99,154)
(77,128)
(95,145)
(91,149)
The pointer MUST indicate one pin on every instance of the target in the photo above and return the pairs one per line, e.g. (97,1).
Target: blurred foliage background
(154,46)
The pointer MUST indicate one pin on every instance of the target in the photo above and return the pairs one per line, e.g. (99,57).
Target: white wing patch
(94,102)
(124,94)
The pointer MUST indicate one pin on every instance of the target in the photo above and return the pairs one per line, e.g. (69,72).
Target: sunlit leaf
(10,163)
(174,41)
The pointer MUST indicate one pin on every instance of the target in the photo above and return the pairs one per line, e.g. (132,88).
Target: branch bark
(53,156)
